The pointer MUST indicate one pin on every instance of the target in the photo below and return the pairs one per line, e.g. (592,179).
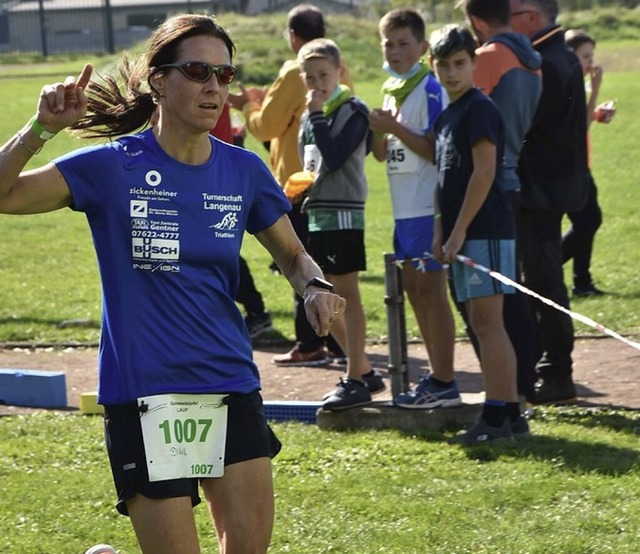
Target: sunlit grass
(573,488)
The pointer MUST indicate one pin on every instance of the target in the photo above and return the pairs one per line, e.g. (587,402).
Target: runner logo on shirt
(228,222)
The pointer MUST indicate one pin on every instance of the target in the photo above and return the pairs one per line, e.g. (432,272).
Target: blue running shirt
(168,238)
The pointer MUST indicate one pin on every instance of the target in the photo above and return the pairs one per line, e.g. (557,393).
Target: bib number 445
(395,155)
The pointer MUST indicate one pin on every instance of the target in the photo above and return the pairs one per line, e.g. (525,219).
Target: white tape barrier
(575,315)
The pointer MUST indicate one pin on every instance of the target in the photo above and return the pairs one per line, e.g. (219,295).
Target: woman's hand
(322,309)
(62,104)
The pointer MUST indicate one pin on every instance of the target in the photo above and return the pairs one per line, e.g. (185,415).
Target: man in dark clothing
(508,70)
(553,173)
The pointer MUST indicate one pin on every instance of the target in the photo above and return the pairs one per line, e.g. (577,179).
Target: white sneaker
(101,549)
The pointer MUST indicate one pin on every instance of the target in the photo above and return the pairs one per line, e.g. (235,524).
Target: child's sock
(439,383)
(494,412)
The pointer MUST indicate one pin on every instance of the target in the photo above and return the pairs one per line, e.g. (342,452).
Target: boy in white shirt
(412,102)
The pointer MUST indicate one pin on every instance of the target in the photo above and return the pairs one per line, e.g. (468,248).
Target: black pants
(306,337)
(248,295)
(540,245)
(577,242)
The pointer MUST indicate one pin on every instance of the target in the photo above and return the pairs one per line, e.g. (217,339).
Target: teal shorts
(494,254)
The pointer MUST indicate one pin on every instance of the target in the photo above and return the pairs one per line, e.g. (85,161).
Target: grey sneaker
(348,394)
(258,324)
(374,382)
(483,433)
(101,549)
(428,395)
(520,428)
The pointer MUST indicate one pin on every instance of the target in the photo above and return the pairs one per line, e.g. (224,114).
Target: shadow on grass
(567,454)
(576,455)
(563,454)
(625,421)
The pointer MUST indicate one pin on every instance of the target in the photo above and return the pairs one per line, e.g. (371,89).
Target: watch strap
(320,283)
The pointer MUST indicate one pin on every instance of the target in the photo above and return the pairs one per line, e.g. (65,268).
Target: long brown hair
(112,111)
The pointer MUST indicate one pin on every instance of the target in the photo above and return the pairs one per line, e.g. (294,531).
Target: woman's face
(189,103)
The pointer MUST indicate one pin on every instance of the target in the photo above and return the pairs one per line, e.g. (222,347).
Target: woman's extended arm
(43,189)
(322,307)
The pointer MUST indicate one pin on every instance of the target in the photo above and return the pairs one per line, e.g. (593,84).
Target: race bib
(184,435)
(400,159)
(312,158)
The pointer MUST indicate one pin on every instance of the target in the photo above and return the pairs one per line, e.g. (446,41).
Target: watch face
(320,283)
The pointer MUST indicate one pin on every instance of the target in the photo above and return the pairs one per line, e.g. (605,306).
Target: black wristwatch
(320,283)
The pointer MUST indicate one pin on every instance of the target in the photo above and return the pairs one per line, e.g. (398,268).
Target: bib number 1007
(184,435)
(188,430)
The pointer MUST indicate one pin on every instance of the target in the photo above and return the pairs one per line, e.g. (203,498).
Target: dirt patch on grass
(606,372)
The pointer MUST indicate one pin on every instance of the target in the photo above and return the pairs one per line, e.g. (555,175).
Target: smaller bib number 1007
(184,435)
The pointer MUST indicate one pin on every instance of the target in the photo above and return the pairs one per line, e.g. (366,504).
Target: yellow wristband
(437,215)
(40,130)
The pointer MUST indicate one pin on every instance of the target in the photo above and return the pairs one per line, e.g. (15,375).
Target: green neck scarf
(401,88)
(339,97)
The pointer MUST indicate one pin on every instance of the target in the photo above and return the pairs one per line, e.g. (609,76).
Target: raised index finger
(85,76)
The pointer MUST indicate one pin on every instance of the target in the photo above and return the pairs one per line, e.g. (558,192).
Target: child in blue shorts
(474,219)
(402,129)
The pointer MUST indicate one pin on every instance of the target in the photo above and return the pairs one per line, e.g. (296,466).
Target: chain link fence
(96,26)
(106,26)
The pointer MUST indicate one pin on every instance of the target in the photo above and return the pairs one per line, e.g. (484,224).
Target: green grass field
(574,488)
(49,273)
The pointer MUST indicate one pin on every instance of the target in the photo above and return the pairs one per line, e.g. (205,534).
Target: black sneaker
(374,383)
(556,391)
(520,428)
(348,394)
(483,433)
(258,324)
(589,290)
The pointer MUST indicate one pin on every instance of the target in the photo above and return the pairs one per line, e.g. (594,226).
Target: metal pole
(43,30)
(108,14)
(397,326)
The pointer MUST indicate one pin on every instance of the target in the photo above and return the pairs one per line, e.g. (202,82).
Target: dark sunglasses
(202,71)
